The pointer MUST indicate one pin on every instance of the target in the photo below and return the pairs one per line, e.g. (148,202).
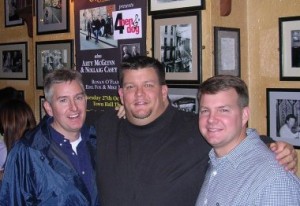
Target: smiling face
(142,95)
(68,107)
(291,122)
(222,121)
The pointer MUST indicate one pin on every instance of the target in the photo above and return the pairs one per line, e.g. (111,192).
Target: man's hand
(286,155)
(121,112)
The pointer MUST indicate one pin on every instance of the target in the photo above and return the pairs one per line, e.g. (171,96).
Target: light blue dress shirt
(248,175)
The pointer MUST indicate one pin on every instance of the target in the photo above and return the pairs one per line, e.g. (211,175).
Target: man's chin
(141,115)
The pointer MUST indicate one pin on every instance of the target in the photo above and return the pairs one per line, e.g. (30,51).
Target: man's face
(291,122)
(142,95)
(68,107)
(222,121)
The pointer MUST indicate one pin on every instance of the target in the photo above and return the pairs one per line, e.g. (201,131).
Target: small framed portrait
(169,6)
(184,98)
(12,17)
(289,48)
(176,45)
(13,61)
(283,107)
(52,16)
(50,56)
(130,50)
(227,51)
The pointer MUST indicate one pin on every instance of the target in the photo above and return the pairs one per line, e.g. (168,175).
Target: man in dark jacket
(53,164)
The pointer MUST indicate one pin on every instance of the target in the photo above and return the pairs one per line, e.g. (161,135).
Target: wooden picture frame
(184,98)
(164,6)
(282,102)
(176,45)
(52,16)
(227,51)
(52,55)
(289,48)
(14,61)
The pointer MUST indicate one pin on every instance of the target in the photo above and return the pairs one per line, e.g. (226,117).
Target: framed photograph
(42,110)
(227,51)
(176,44)
(12,17)
(284,115)
(13,61)
(169,6)
(184,98)
(289,48)
(52,16)
(52,55)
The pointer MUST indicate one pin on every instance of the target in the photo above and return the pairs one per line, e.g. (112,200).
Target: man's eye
(129,87)
(203,111)
(80,97)
(148,85)
(224,110)
(63,100)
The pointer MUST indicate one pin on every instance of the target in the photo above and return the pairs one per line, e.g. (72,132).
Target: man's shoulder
(108,117)
(185,116)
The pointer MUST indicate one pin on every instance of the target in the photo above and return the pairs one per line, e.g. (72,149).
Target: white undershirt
(75,143)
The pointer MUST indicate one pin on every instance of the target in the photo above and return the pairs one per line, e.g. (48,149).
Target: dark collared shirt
(82,160)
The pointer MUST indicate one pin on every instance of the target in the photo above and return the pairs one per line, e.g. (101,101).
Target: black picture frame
(184,97)
(280,103)
(289,48)
(177,44)
(11,13)
(14,61)
(52,55)
(162,6)
(52,16)
(227,54)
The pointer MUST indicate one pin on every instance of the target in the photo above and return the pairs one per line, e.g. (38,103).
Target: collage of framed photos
(283,104)
(176,29)
(51,17)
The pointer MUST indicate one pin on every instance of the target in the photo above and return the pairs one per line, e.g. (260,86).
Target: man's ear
(48,108)
(165,91)
(246,113)
(121,94)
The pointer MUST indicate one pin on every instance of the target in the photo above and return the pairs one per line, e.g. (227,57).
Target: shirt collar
(235,157)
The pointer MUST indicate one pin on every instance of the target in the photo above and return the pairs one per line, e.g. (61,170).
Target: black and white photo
(289,48)
(13,60)
(283,106)
(184,98)
(52,16)
(52,55)
(11,10)
(177,45)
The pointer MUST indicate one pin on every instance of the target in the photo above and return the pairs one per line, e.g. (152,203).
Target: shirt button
(65,140)
(214,173)
(83,172)
(60,144)
(73,153)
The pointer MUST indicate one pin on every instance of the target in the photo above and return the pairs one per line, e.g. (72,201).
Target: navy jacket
(39,173)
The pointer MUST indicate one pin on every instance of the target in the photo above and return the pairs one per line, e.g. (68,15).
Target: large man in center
(155,156)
